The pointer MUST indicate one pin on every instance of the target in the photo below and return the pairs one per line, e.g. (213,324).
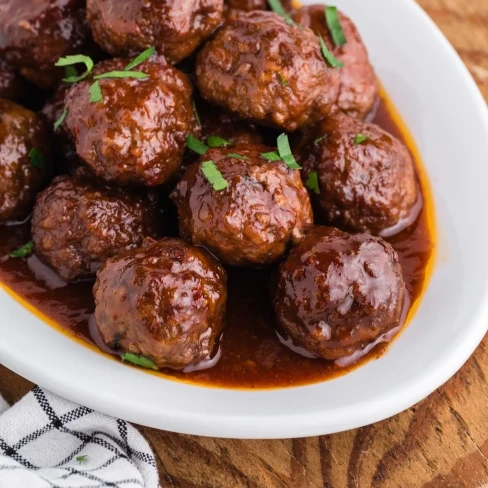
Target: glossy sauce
(251,354)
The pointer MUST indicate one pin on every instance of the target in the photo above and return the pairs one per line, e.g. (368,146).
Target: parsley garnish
(271,156)
(216,141)
(23,251)
(60,120)
(72,60)
(195,145)
(320,139)
(237,156)
(313,182)
(329,57)
(360,138)
(139,361)
(197,117)
(82,459)
(37,159)
(121,74)
(283,81)
(334,24)
(141,58)
(214,176)
(277,8)
(285,152)
(95,92)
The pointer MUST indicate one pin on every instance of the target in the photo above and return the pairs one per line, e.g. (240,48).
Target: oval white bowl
(447,115)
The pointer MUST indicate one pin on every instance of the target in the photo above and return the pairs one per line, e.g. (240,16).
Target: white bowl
(447,115)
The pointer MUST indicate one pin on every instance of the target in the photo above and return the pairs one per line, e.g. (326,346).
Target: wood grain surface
(441,442)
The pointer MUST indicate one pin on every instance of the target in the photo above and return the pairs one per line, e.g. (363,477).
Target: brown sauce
(251,354)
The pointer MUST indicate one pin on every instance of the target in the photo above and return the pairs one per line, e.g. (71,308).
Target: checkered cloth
(49,442)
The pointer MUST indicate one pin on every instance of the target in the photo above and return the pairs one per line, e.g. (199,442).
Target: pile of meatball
(247,117)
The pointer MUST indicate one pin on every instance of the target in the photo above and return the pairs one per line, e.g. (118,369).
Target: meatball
(359,85)
(233,8)
(266,70)
(24,160)
(338,293)
(176,28)
(136,133)
(366,177)
(78,224)
(264,209)
(35,34)
(165,301)
(12,86)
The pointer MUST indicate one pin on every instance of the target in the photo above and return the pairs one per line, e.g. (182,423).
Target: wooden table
(441,442)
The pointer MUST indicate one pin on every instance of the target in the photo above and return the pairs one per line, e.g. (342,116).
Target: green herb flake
(320,139)
(58,122)
(82,459)
(95,92)
(271,156)
(283,81)
(328,56)
(142,361)
(23,251)
(237,156)
(285,152)
(36,158)
(195,145)
(277,8)
(335,27)
(197,116)
(312,182)
(121,74)
(360,138)
(141,58)
(70,72)
(72,60)
(216,141)
(214,176)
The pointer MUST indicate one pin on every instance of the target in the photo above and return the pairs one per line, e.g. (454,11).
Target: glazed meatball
(165,301)
(176,28)
(233,8)
(35,34)
(78,224)
(136,133)
(359,85)
(266,70)
(337,293)
(24,160)
(253,221)
(366,177)
(12,86)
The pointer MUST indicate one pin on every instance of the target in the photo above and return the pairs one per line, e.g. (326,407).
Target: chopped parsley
(277,8)
(197,116)
(58,122)
(141,58)
(312,182)
(23,251)
(328,56)
(142,361)
(195,145)
(237,156)
(216,141)
(37,159)
(95,92)
(285,152)
(360,138)
(320,139)
(214,176)
(72,60)
(282,79)
(82,459)
(271,156)
(334,25)
(121,74)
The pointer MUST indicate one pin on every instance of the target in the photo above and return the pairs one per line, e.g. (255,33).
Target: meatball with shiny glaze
(24,160)
(34,35)
(233,8)
(165,301)
(79,223)
(359,85)
(136,134)
(338,293)
(175,28)
(253,221)
(266,70)
(366,177)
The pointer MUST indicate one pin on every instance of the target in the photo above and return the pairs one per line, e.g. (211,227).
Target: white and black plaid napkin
(49,442)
